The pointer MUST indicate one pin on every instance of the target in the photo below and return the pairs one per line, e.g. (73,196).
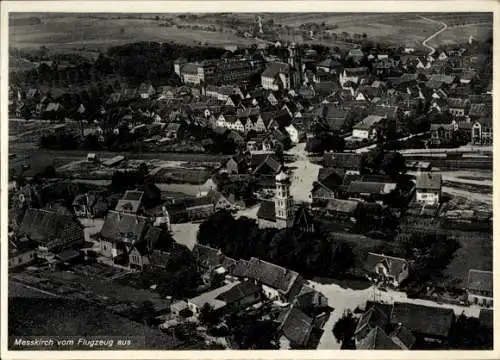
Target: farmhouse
(480,287)
(429,188)
(367,128)
(388,269)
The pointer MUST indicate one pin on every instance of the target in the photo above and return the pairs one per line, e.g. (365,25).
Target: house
(278,283)
(196,304)
(209,259)
(295,328)
(369,190)
(350,162)
(172,130)
(146,91)
(277,76)
(53,231)
(443,133)
(377,339)
(264,164)
(486,319)
(403,337)
(356,55)
(429,323)
(482,132)
(22,251)
(296,135)
(387,269)
(428,187)
(478,111)
(376,316)
(327,186)
(329,66)
(480,287)
(89,205)
(352,75)
(189,209)
(342,212)
(131,202)
(128,239)
(114,161)
(458,107)
(367,128)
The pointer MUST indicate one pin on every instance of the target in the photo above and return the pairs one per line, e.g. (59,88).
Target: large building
(220,71)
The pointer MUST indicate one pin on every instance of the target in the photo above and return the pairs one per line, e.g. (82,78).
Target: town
(282,195)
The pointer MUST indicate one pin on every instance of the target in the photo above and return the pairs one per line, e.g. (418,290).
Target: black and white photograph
(249,180)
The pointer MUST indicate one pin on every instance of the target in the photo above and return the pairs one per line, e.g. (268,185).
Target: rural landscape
(210,181)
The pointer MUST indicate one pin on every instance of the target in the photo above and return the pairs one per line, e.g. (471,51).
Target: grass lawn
(475,252)
(52,317)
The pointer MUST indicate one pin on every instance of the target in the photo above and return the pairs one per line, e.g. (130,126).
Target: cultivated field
(83,32)
(461,34)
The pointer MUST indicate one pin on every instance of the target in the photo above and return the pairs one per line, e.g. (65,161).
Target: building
(428,188)
(350,162)
(280,212)
(52,231)
(387,269)
(368,127)
(442,134)
(22,251)
(432,324)
(277,76)
(131,202)
(482,132)
(352,75)
(458,107)
(295,329)
(128,239)
(376,316)
(278,283)
(377,339)
(480,287)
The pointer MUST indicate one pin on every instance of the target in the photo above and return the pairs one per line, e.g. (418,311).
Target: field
(84,33)
(461,34)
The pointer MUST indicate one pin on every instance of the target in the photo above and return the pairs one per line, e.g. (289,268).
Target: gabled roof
(44,227)
(393,265)
(446,79)
(268,161)
(347,161)
(272,275)
(480,281)
(458,103)
(276,68)
(358,71)
(370,187)
(124,227)
(429,181)
(433,321)
(296,326)
(368,122)
(239,292)
(329,63)
(130,201)
(377,339)
(342,206)
(403,337)
(372,318)
(486,318)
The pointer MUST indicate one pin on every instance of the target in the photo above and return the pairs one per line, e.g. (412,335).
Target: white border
(225,6)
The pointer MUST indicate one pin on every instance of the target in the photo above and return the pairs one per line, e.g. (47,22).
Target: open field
(461,34)
(84,32)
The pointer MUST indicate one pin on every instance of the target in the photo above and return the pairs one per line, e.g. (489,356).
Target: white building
(429,188)
(280,212)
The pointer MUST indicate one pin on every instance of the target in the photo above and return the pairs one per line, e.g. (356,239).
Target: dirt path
(432,50)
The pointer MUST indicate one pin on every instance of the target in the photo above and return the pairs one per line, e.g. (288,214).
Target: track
(432,50)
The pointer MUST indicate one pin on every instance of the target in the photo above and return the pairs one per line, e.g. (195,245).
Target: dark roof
(239,292)
(48,227)
(123,227)
(429,181)
(373,317)
(309,298)
(68,254)
(240,268)
(348,161)
(403,336)
(258,162)
(327,172)
(267,210)
(457,103)
(480,281)
(377,339)
(342,206)
(271,275)
(432,321)
(276,68)
(365,187)
(296,326)
(209,257)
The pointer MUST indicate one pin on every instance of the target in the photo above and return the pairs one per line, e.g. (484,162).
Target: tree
(344,329)
(208,315)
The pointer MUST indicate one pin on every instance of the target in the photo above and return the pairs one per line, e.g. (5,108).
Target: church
(282,212)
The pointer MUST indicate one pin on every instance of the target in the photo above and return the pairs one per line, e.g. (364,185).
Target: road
(304,174)
(369,147)
(347,298)
(432,50)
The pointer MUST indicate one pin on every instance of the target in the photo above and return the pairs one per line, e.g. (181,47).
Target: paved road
(432,50)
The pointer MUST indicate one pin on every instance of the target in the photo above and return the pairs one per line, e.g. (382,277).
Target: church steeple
(283,201)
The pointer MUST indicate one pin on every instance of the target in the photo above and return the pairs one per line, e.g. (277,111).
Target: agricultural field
(461,34)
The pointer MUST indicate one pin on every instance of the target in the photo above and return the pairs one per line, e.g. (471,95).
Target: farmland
(100,31)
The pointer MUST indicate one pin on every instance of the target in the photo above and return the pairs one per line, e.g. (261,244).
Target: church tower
(283,202)
(295,63)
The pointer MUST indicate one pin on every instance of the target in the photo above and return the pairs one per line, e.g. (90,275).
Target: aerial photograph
(250,181)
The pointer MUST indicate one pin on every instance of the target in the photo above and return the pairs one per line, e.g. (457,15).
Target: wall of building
(362,134)
(427,197)
(22,259)
(480,300)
